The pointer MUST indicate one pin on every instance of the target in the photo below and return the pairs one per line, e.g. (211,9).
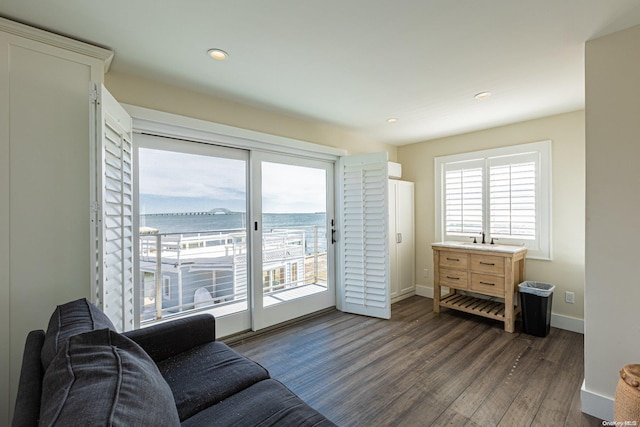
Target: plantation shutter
(363,249)
(112,219)
(512,196)
(463,207)
(504,192)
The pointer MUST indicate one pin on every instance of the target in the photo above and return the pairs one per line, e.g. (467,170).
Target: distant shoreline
(194,213)
(220,212)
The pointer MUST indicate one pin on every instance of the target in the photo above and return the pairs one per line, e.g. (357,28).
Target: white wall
(566,270)
(612,305)
(5,244)
(146,93)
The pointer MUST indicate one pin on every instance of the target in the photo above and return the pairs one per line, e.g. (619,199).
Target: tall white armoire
(401,239)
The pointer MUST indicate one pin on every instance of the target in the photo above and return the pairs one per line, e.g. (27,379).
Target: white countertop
(487,247)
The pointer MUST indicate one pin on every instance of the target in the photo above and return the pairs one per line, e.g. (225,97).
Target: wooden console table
(489,275)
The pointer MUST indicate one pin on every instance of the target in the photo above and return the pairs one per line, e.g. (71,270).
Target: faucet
(483,242)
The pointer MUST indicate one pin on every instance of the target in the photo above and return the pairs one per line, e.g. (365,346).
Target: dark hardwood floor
(425,369)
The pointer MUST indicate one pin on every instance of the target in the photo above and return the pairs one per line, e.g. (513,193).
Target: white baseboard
(595,404)
(401,297)
(424,291)
(559,321)
(567,323)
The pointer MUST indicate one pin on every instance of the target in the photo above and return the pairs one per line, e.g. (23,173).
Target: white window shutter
(363,252)
(503,192)
(463,199)
(512,196)
(112,208)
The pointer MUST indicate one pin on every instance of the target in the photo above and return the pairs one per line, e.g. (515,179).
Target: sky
(182,182)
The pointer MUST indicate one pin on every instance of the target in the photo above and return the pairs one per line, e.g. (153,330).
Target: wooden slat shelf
(478,306)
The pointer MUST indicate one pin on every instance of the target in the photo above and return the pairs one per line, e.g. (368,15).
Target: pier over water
(216,211)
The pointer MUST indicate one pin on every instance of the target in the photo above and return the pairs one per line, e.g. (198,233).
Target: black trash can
(536,299)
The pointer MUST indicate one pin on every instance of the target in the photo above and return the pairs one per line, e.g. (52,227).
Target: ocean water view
(204,221)
(198,222)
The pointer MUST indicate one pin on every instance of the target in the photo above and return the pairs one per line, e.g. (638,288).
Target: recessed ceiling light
(392,120)
(218,54)
(482,95)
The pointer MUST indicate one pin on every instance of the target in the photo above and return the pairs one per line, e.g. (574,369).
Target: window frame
(260,146)
(540,247)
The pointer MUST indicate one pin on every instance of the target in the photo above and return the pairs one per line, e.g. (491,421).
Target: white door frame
(229,323)
(268,316)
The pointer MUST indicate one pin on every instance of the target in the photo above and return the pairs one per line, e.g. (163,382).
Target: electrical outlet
(569,297)
(425,273)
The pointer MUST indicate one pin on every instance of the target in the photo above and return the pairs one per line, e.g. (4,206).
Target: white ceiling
(355,63)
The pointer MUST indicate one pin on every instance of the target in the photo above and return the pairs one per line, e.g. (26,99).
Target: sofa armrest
(27,409)
(168,339)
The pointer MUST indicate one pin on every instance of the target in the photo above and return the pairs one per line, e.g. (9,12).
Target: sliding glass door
(193,247)
(293,224)
(254,252)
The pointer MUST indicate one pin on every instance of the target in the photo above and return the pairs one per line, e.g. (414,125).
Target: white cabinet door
(401,238)
(406,247)
(393,240)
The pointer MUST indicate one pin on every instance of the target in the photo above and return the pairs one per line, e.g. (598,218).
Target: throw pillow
(69,319)
(102,378)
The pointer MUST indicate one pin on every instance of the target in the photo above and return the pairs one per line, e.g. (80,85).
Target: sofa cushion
(266,403)
(207,374)
(101,378)
(69,319)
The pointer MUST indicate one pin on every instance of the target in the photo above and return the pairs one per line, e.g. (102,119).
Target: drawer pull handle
(453,259)
(453,278)
(487,283)
(487,263)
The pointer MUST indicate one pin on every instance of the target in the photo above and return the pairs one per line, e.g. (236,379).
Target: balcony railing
(191,271)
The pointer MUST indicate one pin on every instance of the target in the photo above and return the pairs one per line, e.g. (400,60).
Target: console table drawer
(487,264)
(454,259)
(486,284)
(453,278)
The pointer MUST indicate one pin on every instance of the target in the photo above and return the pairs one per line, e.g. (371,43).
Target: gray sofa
(81,372)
